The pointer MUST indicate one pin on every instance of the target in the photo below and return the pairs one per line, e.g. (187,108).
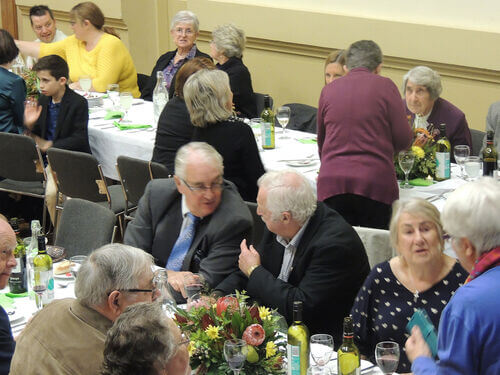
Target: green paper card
(307,141)
(126,126)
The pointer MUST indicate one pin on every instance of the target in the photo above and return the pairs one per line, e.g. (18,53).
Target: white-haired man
(194,222)
(67,336)
(308,253)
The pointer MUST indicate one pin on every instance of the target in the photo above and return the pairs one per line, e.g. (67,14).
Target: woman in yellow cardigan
(94,50)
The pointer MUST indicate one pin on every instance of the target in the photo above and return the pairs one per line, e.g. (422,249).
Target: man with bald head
(7,262)
(308,253)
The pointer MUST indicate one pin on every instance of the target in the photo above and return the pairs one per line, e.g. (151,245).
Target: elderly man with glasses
(194,222)
(67,336)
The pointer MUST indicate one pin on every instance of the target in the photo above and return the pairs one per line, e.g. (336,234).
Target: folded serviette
(20,295)
(420,182)
(126,126)
(307,141)
(113,114)
(5,301)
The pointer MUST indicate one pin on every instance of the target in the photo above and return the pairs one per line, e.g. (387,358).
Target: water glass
(76,262)
(473,167)
(387,356)
(321,349)
(85,83)
(126,100)
(113,92)
(406,160)
(160,281)
(461,153)
(283,116)
(235,353)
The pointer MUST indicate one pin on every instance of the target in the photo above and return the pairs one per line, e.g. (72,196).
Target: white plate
(301,163)
(64,276)
(366,366)
(14,315)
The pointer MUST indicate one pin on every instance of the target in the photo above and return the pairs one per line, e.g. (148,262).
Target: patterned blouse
(384,306)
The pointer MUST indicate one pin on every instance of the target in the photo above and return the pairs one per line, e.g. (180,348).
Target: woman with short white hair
(470,324)
(422,89)
(226,47)
(184,29)
(209,101)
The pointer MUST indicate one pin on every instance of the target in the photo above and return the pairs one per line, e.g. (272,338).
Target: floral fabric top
(384,306)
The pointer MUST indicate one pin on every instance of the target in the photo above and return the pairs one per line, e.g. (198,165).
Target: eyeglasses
(153,290)
(215,187)
(180,31)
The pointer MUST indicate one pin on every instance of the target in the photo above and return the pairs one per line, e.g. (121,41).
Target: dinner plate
(301,163)
(64,276)
(14,315)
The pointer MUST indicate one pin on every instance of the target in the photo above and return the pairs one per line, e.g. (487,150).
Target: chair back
(142,81)
(258,224)
(477,141)
(259,102)
(134,175)
(377,244)
(78,175)
(158,170)
(302,117)
(84,226)
(20,158)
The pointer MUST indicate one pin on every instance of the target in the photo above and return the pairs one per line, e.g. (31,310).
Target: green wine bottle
(267,124)
(44,277)
(490,155)
(298,343)
(17,280)
(348,360)
(443,151)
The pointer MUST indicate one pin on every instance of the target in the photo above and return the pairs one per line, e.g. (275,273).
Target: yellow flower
(191,348)
(264,312)
(419,153)
(212,332)
(270,349)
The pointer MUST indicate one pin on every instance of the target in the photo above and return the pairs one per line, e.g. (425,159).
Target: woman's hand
(416,346)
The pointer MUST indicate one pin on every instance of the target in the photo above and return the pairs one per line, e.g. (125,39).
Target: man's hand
(416,346)
(249,257)
(176,280)
(43,144)
(32,112)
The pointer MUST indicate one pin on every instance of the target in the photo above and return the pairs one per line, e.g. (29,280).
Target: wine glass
(473,167)
(41,283)
(193,286)
(126,100)
(461,153)
(114,93)
(321,349)
(235,353)
(85,84)
(406,160)
(76,262)
(283,116)
(160,281)
(387,356)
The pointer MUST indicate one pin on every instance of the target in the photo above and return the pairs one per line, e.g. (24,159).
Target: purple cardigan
(457,129)
(361,125)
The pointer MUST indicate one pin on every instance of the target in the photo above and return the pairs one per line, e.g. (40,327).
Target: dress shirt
(52,115)
(421,121)
(289,254)
(185,211)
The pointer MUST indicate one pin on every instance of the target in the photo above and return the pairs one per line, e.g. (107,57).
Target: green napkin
(126,126)
(6,301)
(420,182)
(113,114)
(307,141)
(20,295)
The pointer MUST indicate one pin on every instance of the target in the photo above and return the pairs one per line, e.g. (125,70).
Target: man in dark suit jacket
(197,188)
(309,253)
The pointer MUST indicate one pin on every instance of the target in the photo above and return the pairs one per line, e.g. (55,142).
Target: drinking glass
(283,116)
(126,100)
(315,370)
(321,349)
(473,167)
(387,356)
(406,160)
(461,153)
(160,281)
(85,84)
(114,94)
(193,287)
(41,282)
(235,353)
(76,262)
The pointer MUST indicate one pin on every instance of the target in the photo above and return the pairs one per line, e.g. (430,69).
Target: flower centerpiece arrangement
(208,326)
(32,84)
(424,149)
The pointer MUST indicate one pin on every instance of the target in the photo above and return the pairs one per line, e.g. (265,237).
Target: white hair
(424,76)
(289,191)
(185,16)
(471,212)
(229,40)
(203,149)
(110,267)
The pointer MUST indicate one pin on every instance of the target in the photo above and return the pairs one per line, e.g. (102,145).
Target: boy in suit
(60,117)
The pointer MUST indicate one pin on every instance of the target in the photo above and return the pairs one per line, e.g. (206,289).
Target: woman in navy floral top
(421,276)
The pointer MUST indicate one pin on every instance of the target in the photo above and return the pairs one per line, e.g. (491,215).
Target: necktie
(182,244)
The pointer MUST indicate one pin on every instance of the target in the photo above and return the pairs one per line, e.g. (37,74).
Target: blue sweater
(469,331)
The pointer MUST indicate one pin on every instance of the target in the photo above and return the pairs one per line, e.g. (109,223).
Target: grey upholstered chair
(258,225)
(477,141)
(377,244)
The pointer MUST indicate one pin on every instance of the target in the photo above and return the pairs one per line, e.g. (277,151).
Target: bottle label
(18,267)
(442,165)
(266,134)
(293,355)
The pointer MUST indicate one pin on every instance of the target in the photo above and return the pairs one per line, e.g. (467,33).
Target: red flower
(223,303)
(254,335)
(206,320)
